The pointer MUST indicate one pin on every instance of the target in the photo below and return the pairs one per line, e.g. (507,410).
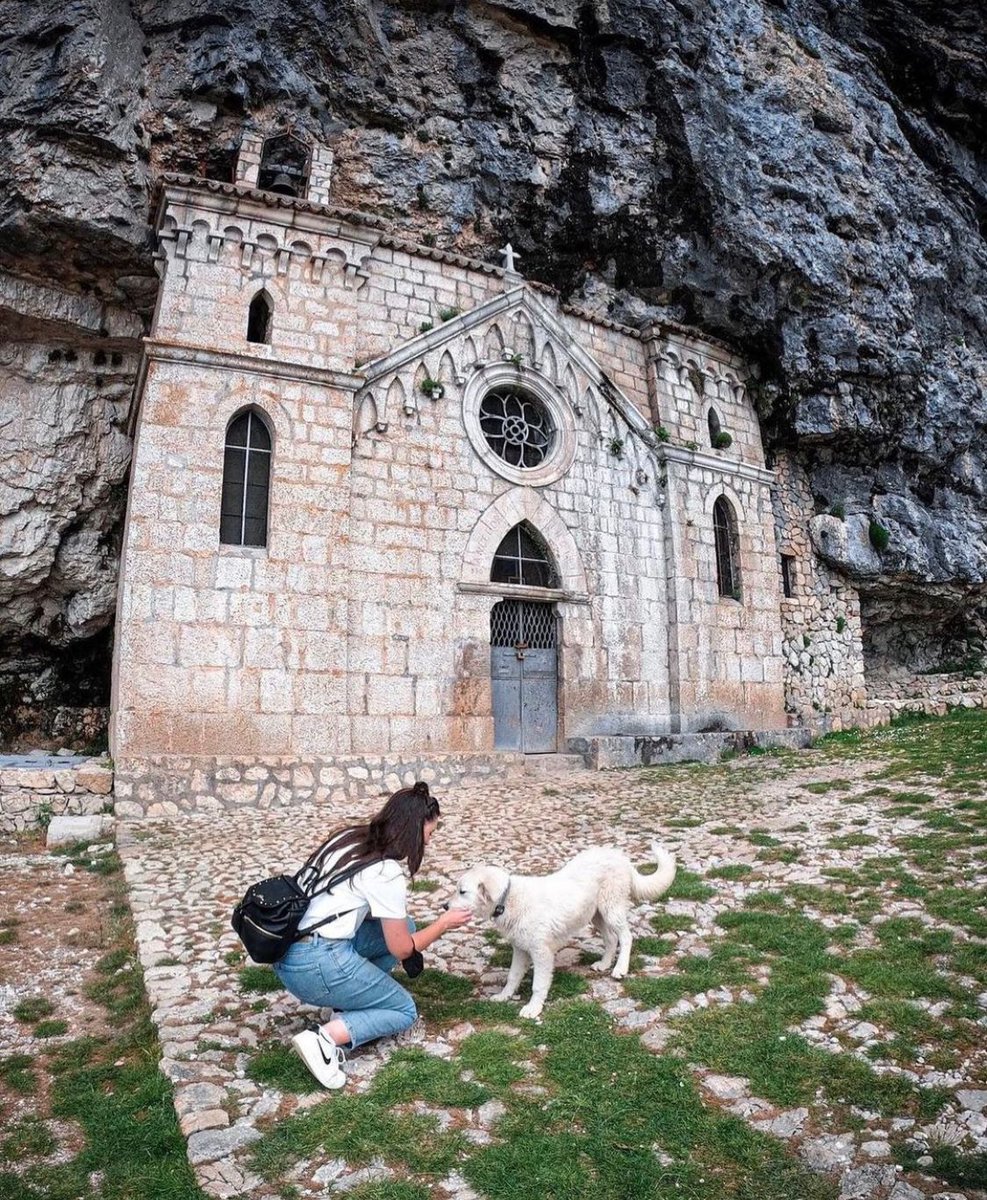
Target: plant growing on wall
(692,445)
(425,326)
(432,388)
(879,536)
(616,446)
(661,433)
(837,510)
(516,360)
(446,314)
(698,380)
(722,440)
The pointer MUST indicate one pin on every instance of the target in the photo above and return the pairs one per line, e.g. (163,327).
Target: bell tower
(285,164)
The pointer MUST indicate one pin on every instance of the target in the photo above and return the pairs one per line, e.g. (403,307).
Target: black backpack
(266,919)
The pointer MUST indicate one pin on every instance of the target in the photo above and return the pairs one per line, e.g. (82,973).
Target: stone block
(95,778)
(63,830)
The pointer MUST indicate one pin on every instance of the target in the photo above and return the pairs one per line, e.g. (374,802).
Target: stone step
(553,764)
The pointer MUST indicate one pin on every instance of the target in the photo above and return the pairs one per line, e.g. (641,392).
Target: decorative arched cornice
(508,510)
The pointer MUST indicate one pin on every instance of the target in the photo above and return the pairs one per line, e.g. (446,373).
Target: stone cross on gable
(510,257)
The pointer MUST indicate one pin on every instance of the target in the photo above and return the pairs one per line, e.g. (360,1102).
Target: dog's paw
(500,997)
(600,966)
(617,973)
(531,1010)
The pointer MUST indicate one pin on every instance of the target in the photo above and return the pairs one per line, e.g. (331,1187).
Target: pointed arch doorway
(524,671)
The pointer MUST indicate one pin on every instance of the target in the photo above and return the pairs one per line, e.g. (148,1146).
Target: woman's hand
(453,918)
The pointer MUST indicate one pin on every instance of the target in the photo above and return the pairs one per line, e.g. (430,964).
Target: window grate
(524,623)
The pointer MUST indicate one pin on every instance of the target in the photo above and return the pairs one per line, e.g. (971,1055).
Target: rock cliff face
(805,178)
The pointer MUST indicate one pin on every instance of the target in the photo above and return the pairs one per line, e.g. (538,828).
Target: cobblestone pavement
(184,878)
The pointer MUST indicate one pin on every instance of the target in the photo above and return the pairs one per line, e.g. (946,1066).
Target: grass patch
(847,841)
(755,1040)
(823,786)
(358,1129)
(730,871)
(280,1067)
(28,1138)
(758,838)
(689,886)
(425,885)
(258,979)
(35,1008)
(16,1071)
(47,1029)
(666,922)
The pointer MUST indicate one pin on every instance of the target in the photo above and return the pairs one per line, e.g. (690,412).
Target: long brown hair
(397,831)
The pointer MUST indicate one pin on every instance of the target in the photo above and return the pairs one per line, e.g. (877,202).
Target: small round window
(517,427)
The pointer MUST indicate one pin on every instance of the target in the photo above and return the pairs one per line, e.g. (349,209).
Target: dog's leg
(544,964)
(609,943)
(624,954)
(519,964)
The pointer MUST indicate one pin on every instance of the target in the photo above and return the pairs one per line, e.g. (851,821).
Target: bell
(283,184)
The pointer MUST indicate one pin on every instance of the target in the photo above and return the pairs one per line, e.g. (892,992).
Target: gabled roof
(519,298)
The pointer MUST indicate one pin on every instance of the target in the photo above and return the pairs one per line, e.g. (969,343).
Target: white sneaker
(322,1057)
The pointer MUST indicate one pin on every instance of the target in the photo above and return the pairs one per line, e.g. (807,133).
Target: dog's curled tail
(650,887)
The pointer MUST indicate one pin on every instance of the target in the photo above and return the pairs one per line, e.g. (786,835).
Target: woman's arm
(401,943)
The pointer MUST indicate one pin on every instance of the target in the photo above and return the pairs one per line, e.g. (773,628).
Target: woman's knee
(408,1010)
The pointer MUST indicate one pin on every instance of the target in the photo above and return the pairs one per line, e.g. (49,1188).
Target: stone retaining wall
(898,692)
(168,785)
(32,792)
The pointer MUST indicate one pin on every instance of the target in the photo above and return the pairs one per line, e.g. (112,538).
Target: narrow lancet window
(727,556)
(246,481)
(260,318)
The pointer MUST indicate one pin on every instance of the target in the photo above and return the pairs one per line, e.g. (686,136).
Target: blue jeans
(353,977)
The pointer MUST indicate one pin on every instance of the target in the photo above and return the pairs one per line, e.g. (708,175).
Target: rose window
(517,427)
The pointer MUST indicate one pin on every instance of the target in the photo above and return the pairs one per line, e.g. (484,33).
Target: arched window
(727,555)
(713,421)
(246,481)
(522,557)
(260,318)
(284,166)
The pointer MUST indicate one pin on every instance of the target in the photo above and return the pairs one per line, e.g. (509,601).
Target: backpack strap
(334,882)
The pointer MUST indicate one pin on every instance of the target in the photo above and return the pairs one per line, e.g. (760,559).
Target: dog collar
(499,906)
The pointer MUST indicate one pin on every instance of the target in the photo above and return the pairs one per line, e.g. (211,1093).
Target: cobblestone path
(184,878)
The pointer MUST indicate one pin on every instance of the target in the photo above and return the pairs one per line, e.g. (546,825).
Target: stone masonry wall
(165,786)
(52,786)
(823,653)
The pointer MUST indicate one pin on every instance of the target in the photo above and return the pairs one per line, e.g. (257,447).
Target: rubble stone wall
(31,795)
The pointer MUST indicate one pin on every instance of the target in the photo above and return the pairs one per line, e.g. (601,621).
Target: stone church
(394,511)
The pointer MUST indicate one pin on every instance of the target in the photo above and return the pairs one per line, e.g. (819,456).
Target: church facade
(393,510)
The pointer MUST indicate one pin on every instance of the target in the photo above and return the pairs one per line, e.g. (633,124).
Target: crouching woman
(346,964)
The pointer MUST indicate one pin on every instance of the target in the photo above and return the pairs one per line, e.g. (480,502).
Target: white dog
(538,914)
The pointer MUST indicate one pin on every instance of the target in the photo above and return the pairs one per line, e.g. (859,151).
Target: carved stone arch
(365,416)
(548,364)
(200,234)
(570,385)
(447,368)
(398,400)
(518,505)
(493,344)
(722,488)
(469,356)
(523,338)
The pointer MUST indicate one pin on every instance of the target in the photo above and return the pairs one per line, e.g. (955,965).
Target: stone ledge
(605,753)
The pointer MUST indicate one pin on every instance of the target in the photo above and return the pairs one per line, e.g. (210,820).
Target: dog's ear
(481,891)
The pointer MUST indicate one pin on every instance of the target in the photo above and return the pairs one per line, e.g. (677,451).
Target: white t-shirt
(380,890)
